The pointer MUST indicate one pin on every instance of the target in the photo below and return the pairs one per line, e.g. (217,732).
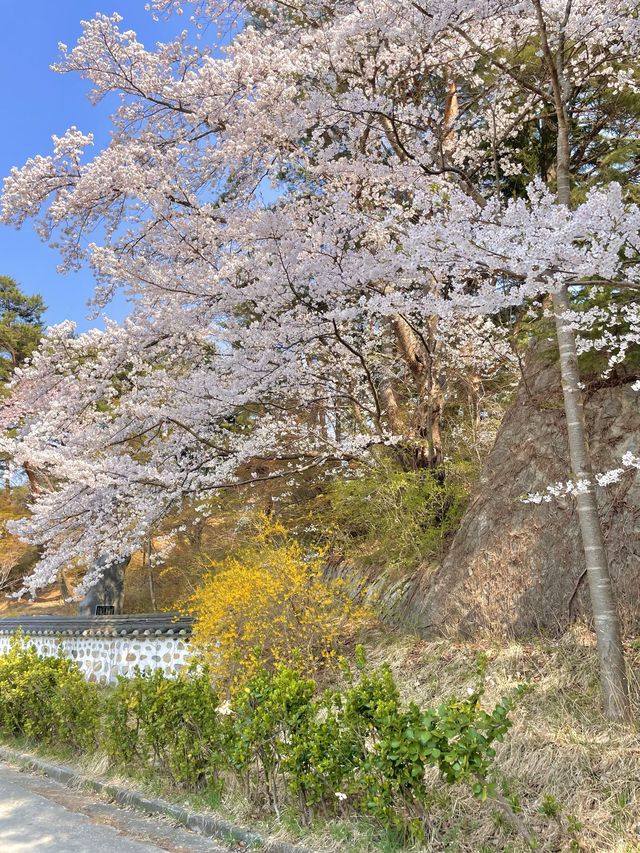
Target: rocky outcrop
(517,569)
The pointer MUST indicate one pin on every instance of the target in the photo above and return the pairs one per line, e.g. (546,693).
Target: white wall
(102,659)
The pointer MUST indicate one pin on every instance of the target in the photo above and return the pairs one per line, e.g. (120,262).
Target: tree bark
(108,590)
(613,675)
(146,561)
(605,613)
(426,419)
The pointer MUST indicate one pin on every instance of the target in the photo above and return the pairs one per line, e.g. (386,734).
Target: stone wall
(107,648)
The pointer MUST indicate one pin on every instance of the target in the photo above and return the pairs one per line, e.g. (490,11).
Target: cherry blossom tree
(318,221)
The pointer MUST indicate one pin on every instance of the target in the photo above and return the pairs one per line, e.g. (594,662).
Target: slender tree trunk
(146,561)
(605,614)
(613,675)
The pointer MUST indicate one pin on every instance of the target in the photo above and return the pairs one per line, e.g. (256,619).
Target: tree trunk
(606,620)
(108,590)
(605,614)
(425,422)
(146,561)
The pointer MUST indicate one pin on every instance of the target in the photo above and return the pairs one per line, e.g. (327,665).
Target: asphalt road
(38,815)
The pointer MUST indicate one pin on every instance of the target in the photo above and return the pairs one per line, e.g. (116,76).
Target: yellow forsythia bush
(269,604)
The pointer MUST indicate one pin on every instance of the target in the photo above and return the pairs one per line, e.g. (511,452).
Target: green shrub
(393,518)
(356,749)
(170,725)
(269,716)
(46,699)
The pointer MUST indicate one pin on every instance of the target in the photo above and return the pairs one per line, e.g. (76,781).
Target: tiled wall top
(130,625)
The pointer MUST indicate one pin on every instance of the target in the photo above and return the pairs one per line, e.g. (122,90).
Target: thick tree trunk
(392,415)
(108,590)
(425,422)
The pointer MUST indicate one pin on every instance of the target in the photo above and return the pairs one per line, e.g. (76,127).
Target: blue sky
(35,103)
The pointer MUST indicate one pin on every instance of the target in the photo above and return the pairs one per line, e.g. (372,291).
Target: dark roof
(145,624)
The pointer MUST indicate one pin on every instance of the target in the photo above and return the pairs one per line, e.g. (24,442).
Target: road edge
(202,824)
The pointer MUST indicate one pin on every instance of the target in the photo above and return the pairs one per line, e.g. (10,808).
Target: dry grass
(576,776)
(48,601)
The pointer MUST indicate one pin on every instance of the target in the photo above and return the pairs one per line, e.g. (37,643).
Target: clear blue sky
(35,103)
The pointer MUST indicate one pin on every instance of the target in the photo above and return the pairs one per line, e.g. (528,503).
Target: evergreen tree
(21,325)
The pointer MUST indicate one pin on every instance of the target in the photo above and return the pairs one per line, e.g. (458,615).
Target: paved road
(38,815)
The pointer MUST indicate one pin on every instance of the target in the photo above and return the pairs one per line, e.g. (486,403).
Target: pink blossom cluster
(274,206)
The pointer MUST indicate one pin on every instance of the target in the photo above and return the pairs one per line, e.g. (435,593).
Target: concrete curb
(202,824)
